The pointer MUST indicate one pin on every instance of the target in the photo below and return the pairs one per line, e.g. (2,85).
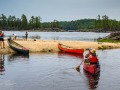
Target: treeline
(34,23)
(103,23)
(14,23)
(72,25)
(79,24)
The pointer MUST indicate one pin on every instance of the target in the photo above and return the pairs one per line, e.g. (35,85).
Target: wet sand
(51,45)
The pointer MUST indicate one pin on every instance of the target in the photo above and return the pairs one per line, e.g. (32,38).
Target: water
(83,36)
(56,71)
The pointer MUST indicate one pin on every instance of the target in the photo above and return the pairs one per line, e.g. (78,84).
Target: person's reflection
(93,80)
(2,63)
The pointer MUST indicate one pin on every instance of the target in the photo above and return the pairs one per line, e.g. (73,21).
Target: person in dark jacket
(26,36)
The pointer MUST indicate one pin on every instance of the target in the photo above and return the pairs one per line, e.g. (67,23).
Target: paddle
(78,67)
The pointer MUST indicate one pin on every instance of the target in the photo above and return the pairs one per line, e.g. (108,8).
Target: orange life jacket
(93,59)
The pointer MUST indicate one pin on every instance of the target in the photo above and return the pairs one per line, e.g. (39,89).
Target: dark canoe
(91,68)
(17,47)
(68,49)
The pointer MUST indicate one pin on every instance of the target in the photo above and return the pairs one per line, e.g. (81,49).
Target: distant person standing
(26,36)
(2,40)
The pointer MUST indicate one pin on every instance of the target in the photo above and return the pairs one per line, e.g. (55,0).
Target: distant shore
(39,46)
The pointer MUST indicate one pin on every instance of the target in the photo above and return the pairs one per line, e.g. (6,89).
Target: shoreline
(40,46)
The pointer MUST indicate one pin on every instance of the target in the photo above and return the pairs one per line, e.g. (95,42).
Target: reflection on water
(57,72)
(71,54)
(92,80)
(1,63)
(17,56)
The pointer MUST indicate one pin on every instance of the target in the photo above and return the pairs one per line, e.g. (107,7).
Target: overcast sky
(61,10)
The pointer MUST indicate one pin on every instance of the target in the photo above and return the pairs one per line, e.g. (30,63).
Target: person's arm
(86,55)
(90,56)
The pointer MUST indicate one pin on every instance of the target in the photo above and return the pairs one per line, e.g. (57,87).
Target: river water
(56,71)
(84,36)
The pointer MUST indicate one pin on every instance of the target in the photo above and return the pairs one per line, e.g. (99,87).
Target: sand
(51,45)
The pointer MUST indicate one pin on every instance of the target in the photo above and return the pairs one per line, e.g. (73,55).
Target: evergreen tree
(24,22)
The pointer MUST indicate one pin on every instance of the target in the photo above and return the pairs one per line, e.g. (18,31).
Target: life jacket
(93,59)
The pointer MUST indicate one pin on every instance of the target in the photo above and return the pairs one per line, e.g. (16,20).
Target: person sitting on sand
(91,57)
(2,40)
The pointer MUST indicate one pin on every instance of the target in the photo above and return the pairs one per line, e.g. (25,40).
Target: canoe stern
(93,69)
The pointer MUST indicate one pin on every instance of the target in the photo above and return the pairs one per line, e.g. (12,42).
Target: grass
(109,40)
(104,47)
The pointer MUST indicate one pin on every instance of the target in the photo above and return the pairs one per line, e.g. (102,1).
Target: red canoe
(92,69)
(68,49)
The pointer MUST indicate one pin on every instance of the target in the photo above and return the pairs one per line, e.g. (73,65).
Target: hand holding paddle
(78,67)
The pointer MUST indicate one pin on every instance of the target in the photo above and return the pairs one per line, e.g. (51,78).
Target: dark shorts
(1,39)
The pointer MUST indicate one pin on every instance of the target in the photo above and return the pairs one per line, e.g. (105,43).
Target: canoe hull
(70,50)
(92,69)
(17,48)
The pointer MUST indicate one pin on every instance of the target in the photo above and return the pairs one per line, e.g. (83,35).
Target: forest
(100,24)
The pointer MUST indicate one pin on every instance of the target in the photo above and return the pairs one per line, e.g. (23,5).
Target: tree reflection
(93,80)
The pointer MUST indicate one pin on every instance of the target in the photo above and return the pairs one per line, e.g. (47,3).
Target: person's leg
(1,44)
(26,38)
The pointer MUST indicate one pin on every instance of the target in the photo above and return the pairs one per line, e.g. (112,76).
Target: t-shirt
(2,34)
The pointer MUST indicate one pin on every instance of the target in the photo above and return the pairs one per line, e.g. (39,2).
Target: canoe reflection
(2,63)
(71,54)
(93,80)
(17,56)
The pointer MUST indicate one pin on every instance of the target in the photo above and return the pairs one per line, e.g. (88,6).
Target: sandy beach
(51,45)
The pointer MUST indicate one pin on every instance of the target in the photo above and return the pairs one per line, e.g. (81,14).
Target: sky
(61,10)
